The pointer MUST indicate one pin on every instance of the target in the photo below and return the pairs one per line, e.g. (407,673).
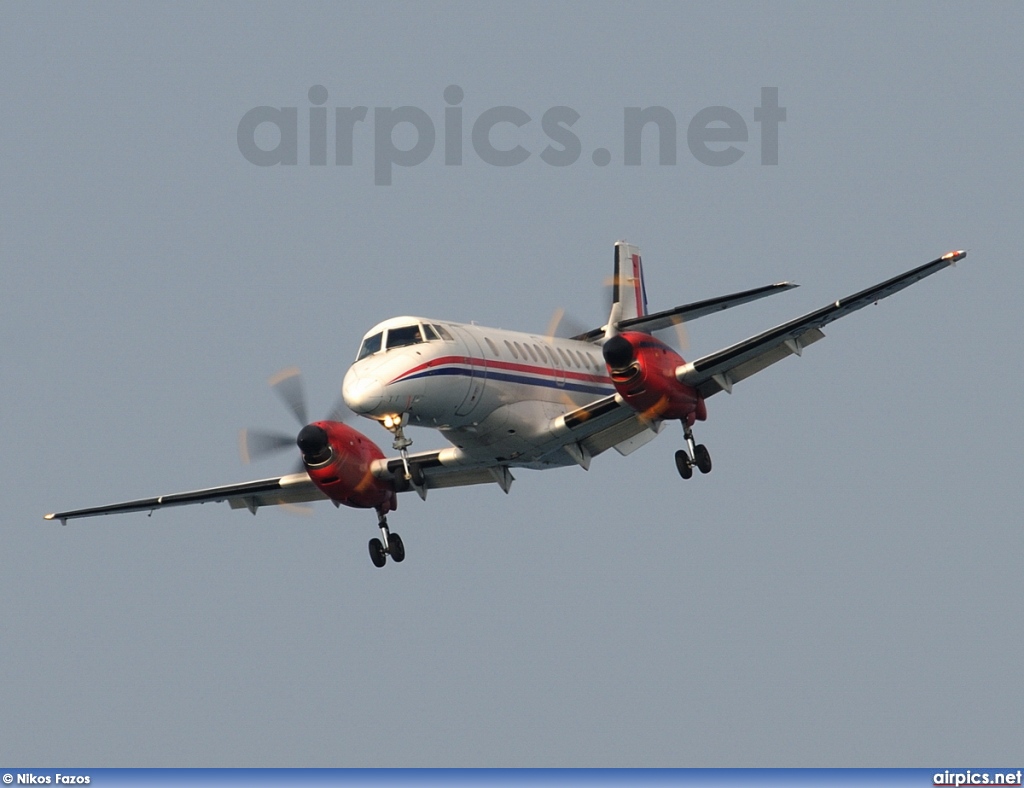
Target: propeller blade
(339,411)
(301,509)
(682,338)
(556,318)
(563,325)
(256,444)
(609,285)
(288,385)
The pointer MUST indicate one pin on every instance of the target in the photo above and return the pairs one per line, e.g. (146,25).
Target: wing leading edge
(293,488)
(720,370)
(439,470)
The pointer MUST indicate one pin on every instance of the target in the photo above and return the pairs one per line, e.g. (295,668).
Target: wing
(445,468)
(601,425)
(680,314)
(719,371)
(439,471)
(293,488)
(442,468)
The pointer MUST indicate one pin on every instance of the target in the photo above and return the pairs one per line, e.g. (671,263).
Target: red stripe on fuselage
(490,364)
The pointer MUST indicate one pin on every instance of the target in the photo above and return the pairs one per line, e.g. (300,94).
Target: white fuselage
(488,391)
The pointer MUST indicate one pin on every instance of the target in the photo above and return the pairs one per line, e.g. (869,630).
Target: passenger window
(533,353)
(511,349)
(493,347)
(401,337)
(370,346)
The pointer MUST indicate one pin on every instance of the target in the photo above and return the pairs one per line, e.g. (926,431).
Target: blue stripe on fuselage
(510,378)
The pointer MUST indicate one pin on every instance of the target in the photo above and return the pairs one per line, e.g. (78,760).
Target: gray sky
(843,589)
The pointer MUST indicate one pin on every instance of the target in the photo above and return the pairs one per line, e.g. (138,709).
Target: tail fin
(629,297)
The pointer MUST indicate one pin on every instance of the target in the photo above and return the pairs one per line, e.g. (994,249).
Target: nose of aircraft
(362,394)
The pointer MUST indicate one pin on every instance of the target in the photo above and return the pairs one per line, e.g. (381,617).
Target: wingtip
(49,516)
(954,256)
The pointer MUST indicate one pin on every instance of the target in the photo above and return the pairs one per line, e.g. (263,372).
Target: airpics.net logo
(716,136)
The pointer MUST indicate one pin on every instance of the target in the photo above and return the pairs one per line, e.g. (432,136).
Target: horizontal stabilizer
(686,312)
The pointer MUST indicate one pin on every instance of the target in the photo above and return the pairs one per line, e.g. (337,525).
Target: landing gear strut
(698,456)
(401,444)
(389,544)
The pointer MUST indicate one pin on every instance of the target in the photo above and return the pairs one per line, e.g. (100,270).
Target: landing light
(391,421)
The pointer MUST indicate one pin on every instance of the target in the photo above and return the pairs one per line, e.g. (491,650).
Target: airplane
(506,399)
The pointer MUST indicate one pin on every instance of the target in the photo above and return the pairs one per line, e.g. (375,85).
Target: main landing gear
(698,456)
(390,544)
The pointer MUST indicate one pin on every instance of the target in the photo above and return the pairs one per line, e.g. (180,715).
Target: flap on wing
(642,438)
(750,357)
(620,435)
(597,427)
(718,371)
(293,488)
(436,472)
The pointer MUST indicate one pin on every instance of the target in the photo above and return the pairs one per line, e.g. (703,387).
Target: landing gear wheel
(397,548)
(377,554)
(702,459)
(683,464)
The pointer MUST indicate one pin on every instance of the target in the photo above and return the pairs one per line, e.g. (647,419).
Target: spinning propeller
(680,342)
(287,384)
(563,325)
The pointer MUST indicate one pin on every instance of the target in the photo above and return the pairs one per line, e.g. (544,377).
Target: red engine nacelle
(643,371)
(338,460)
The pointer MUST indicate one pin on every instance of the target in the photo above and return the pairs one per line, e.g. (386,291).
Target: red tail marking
(638,286)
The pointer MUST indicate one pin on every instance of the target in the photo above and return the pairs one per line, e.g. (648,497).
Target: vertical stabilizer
(629,297)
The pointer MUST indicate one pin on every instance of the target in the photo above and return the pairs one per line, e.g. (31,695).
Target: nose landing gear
(698,456)
(401,444)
